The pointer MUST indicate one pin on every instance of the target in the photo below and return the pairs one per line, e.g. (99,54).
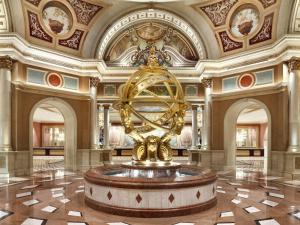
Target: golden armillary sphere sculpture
(137,95)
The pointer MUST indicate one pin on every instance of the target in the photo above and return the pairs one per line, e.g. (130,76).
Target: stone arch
(70,121)
(230,121)
(151,15)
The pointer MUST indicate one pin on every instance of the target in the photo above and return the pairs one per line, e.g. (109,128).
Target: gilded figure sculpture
(135,94)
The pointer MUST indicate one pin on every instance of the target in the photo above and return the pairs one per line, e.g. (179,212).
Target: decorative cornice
(6,62)
(294,64)
(94,81)
(207,82)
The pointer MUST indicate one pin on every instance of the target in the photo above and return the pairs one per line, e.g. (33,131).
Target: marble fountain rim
(97,176)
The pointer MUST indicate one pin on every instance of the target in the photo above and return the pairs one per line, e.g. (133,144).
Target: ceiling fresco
(133,46)
(62,24)
(240,25)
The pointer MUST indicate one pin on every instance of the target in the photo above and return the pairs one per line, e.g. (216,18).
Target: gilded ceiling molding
(265,32)
(34,2)
(227,43)
(150,15)
(294,64)
(218,11)
(207,82)
(36,29)
(267,3)
(74,41)
(6,62)
(84,11)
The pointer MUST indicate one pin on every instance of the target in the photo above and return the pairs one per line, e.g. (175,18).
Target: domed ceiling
(183,32)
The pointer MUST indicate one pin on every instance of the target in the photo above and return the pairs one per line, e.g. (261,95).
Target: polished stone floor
(57,198)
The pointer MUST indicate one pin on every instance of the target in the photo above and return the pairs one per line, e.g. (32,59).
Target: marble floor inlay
(57,198)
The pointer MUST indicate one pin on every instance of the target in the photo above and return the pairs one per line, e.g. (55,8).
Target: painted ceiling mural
(133,46)
(61,23)
(240,24)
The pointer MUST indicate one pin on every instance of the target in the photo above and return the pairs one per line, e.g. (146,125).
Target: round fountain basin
(150,191)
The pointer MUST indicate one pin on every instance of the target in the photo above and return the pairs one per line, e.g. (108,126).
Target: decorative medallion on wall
(74,41)
(84,11)
(245,21)
(57,18)
(229,44)
(54,80)
(218,12)
(34,2)
(36,29)
(246,80)
(265,32)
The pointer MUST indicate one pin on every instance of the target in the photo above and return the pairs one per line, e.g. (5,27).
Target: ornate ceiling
(240,25)
(62,24)
(106,29)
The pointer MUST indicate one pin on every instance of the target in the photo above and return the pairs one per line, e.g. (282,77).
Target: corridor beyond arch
(230,122)
(70,122)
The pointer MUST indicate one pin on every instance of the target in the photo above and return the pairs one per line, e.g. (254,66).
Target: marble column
(294,104)
(94,82)
(5,103)
(106,126)
(206,141)
(202,125)
(194,127)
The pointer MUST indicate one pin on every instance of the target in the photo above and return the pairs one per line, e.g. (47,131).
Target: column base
(292,165)
(14,163)
(200,157)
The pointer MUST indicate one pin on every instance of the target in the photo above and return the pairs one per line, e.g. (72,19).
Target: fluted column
(294,104)
(206,141)
(6,64)
(106,126)
(194,127)
(94,82)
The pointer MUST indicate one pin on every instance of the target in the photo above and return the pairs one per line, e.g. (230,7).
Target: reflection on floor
(46,163)
(57,198)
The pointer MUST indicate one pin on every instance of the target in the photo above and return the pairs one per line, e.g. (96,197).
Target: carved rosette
(207,82)
(294,64)
(94,81)
(6,62)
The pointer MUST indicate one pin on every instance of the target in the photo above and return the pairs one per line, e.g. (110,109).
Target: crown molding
(11,44)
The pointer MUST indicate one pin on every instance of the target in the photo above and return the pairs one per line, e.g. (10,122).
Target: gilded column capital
(106,106)
(6,62)
(195,107)
(294,64)
(94,81)
(207,82)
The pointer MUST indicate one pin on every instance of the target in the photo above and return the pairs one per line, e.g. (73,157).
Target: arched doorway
(70,129)
(237,113)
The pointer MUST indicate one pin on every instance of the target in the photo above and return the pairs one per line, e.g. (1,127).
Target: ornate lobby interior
(135,112)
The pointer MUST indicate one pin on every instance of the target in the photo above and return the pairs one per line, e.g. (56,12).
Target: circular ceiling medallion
(246,80)
(245,21)
(57,18)
(54,80)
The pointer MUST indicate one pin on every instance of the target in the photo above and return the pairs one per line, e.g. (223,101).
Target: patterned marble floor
(57,198)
